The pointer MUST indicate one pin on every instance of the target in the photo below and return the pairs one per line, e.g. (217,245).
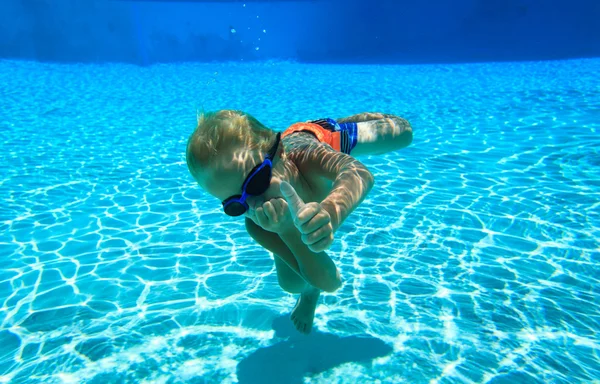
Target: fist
(312,220)
(273,216)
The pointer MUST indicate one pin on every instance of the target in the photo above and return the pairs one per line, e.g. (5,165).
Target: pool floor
(473,260)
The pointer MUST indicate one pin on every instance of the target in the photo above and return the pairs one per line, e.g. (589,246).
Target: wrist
(331,208)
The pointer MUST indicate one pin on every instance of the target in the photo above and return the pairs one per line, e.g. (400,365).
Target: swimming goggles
(257,182)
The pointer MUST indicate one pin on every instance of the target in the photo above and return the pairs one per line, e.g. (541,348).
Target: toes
(299,325)
(302,327)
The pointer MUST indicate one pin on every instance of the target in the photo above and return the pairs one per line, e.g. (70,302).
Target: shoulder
(298,141)
(301,148)
(309,155)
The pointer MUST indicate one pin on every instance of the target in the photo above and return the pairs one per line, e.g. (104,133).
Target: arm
(352,181)
(316,268)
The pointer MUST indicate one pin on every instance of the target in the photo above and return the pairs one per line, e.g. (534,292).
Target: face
(224,180)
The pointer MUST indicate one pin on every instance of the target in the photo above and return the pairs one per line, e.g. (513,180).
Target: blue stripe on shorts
(349,132)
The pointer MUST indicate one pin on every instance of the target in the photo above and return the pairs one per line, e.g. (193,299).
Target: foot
(304,311)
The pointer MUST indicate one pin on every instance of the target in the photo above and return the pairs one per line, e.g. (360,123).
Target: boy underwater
(295,188)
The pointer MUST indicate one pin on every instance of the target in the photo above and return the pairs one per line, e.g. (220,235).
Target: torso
(309,186)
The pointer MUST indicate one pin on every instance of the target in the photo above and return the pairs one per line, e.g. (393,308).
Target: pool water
(474,259)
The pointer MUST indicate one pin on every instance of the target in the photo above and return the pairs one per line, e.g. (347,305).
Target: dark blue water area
(325,31)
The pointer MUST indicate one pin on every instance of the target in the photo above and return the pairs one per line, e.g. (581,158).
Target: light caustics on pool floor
(474,259)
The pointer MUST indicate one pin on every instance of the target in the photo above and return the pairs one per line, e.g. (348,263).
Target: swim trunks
(341,137)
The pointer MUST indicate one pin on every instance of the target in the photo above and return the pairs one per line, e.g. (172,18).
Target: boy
(295,188)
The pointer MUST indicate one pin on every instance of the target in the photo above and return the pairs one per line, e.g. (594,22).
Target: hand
(274,216)
(312,220)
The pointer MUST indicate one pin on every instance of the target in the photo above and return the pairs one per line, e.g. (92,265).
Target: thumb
(289,194)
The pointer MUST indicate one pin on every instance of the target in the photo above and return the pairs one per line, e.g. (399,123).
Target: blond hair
(224,129)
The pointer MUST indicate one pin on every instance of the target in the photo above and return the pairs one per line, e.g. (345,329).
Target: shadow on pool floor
(298,355)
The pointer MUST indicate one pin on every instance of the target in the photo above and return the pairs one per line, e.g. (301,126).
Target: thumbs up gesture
(312,220)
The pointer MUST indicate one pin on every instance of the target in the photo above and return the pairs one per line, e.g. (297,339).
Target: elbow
(369,180)
(362,175)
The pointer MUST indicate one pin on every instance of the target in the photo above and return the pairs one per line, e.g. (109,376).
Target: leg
(289,280)
(304,312)
(387,134)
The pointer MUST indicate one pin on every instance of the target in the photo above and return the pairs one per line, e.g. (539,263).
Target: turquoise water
(474,259)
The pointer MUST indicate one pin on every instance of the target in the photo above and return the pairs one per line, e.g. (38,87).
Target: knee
(326,283)
(407,137)
(403,134)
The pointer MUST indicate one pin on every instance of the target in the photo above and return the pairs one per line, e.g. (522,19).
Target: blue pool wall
(375,31)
